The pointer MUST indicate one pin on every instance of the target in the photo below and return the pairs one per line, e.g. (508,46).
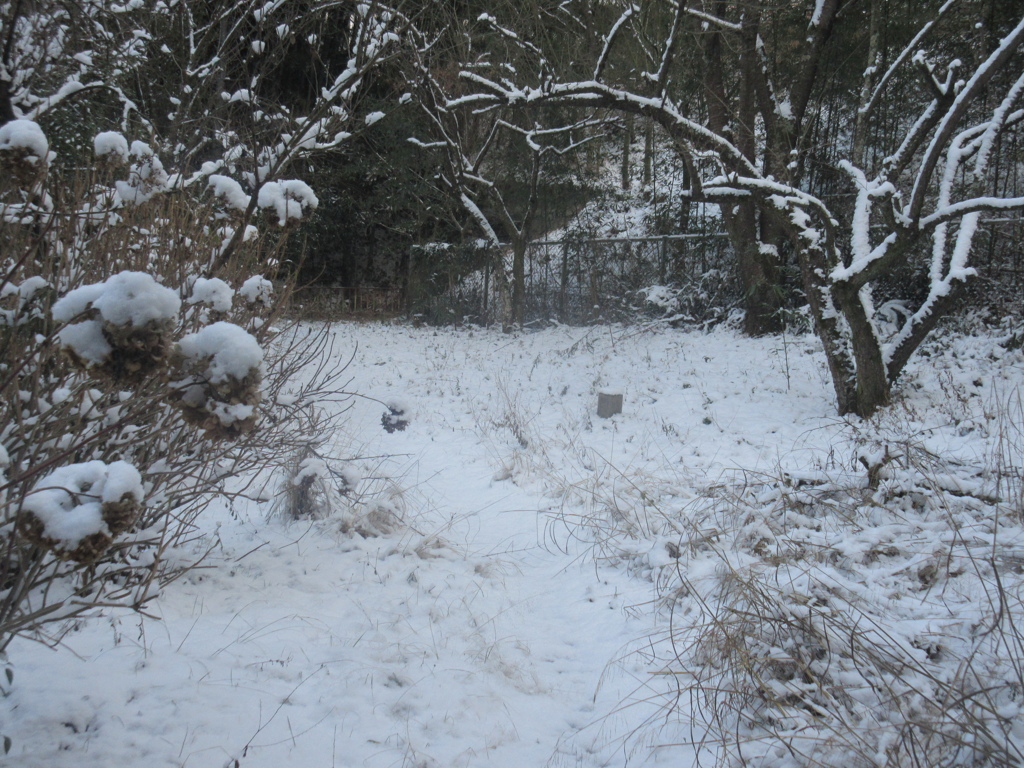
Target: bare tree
(748,148)
(484,155)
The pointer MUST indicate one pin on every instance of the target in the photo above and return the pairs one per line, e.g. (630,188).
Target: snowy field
(506,602)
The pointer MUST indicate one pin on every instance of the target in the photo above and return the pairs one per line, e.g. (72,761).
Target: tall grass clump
(866,612)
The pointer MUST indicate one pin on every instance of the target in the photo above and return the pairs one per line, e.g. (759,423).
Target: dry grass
(863,614)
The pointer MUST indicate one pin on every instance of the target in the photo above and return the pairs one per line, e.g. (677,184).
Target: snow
(111,144)
(492,626)
(374,117)
(68,501)
(819,6)
(257,289)
(87,340)
(124,299)
(231,351)
(230,191)
(24,135)
(290,199)
(127,298)
(212,291)
(26,292)
(146,178)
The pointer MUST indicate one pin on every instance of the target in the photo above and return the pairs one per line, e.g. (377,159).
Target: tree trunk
(519,243)
(649,154)
(503,298)
(627,144)
(759,274)
(873,384)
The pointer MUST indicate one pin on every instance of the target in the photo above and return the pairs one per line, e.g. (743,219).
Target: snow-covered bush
(705,300)
(135,383)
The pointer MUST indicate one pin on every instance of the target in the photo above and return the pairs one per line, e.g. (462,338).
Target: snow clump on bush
(258,290)
(222,387)
(77,510)
(229,192)
(147,176)
(290,199)
(126,334)
(110,148)
(213,292)
(24,150)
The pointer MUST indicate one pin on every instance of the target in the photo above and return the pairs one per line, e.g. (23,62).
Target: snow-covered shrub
(126,364)
(396,417)
(307,490)
(704,300)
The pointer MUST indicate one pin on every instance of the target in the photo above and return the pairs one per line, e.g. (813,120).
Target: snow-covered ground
(501,615)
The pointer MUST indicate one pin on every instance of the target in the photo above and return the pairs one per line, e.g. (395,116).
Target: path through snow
(486,633)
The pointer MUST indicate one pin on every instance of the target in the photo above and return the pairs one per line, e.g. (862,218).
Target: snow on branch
(1001,116)
(609,39)
(592,93)
(486,18)
(956,111)
(531,135)
(908,51)
(969,207)
(482,221)
(715,20)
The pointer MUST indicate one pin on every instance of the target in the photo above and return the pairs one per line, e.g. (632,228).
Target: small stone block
(608,405)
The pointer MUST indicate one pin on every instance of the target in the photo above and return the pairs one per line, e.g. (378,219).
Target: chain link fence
(586,280)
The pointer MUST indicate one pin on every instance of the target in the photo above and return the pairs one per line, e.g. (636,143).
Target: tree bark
(874,63)
(759,275)
(519,243)
(627,144)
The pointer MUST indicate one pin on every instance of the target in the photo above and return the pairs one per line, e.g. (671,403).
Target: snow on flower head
(257,290)
(221,391)
(77,510)
(112,146)
(212,291)
(290,199)
(26,136)
(141,149)
(229,350)
(24,151)
(127,298)
(125,333)
(228,191)
(147,176)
